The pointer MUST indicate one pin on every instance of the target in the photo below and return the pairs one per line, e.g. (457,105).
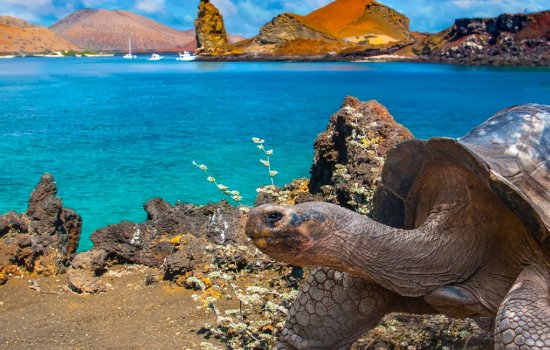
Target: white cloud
(464,4)
(226,7)
(32,10)
(150,6)
(27,4)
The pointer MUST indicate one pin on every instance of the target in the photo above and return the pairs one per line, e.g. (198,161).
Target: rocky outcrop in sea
(210,31)
(509,39)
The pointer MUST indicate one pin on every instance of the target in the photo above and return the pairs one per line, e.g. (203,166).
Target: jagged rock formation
(43,239)
(148,243)
(109,30)
(210,31)
(20,37)
(350,154)
(506,39)
(341,25)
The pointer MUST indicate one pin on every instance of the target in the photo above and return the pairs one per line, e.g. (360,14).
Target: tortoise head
(288,233)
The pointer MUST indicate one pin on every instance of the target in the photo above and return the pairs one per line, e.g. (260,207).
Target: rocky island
(343,30)
(347,30)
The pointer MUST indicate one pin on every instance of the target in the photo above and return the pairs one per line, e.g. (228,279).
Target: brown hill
(338,26)
(20,37)
(355,20)
(109,30)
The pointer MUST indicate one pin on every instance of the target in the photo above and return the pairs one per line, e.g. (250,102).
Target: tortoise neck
(408,262)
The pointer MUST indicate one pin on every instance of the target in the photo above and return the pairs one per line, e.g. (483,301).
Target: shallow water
(115,133)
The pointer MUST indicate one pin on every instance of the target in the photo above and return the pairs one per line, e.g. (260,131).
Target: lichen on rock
(210,31)
(350,154)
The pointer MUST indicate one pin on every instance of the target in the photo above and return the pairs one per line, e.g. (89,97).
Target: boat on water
(99,54)
(7,56)
(54,55)
(155,57)
(129,55)
(186,56)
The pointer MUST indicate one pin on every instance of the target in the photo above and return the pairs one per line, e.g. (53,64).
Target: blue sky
(247,16)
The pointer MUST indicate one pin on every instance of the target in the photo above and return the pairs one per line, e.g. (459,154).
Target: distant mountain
(340,25)
(109,30)
(506,39)
(20,37)
(359,20)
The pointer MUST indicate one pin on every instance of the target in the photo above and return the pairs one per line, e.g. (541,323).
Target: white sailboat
(129,54)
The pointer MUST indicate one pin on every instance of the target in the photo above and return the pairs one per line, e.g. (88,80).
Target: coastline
(378,57)
(385,56)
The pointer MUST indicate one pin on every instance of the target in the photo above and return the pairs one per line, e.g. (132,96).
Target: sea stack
(210,30)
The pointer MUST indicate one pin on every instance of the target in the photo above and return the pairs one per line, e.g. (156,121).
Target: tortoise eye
(274,217)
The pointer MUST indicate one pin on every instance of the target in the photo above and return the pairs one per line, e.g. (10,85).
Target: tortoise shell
(509,153)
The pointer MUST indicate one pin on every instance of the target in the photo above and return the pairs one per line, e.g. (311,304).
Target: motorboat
(129,55)
(155,57)
(186,56)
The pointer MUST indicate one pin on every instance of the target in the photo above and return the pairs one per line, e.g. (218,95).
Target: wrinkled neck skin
(408,262)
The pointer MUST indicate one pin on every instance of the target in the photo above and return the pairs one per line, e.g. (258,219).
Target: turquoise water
(116,133)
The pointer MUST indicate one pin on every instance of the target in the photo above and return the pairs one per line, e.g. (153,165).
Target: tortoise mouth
(263,243)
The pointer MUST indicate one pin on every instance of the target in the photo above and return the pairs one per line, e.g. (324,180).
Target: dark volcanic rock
(13,222)
(152,241)
(511,39)
(350,154)
(42,239)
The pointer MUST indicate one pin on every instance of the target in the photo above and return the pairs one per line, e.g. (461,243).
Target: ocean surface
(115,133)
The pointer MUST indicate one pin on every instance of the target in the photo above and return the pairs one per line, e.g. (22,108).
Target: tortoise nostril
(274,217)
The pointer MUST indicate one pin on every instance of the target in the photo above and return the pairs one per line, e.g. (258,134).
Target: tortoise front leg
(523,319)
(332,311)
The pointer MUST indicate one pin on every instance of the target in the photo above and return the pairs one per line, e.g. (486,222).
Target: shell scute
(509,153)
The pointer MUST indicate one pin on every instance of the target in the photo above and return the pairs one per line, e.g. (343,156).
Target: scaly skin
(332,311)
(416,269)
(523,320)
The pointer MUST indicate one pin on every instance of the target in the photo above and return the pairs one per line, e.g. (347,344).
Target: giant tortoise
(463,228)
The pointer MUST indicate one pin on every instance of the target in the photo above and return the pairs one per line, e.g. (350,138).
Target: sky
(245,17)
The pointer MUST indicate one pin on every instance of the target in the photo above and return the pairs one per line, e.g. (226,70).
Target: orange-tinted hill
(20,37)
(109,30)
(341,26)
(353,19)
